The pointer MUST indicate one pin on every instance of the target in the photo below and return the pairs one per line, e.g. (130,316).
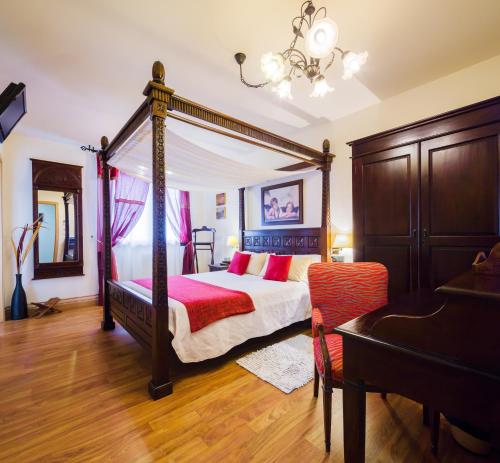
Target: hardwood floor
(72,393)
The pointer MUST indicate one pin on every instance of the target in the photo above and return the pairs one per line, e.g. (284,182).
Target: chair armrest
(327,363)
(316,319)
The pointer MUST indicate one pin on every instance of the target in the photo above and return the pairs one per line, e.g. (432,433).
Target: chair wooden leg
(383,395)
(327,416)
(316,381)
(435,418)
(425,415)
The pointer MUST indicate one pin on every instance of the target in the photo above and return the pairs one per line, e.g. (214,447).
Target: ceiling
(85,63)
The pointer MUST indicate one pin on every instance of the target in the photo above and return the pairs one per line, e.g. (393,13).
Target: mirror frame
(56,176)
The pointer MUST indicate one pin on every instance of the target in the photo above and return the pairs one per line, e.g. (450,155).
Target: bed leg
(107,319)
(158,391)
(107,323)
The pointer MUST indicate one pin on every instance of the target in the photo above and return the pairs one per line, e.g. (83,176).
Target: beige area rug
(287,365)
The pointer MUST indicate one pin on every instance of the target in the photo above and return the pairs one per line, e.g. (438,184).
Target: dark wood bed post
(107,319)
(241,215)
(325,202)
(158,99)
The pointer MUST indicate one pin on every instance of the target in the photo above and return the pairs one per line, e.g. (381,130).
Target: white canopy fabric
(198,159)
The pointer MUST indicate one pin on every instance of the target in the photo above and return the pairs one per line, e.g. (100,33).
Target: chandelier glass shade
(320,36)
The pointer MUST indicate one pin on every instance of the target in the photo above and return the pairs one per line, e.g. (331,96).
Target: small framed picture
(220,199)
(220,212)
(282,204)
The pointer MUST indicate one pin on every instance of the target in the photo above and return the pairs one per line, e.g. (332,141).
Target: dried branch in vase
(20,252)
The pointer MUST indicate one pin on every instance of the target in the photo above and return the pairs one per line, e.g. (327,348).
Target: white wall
(17,210)
(203,213)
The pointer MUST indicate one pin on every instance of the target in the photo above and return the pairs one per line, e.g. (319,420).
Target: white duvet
(277,304)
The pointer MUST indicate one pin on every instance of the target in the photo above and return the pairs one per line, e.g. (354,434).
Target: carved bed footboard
(133,311)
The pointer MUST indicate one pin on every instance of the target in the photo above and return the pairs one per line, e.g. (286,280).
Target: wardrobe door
(459,201)
(385,196)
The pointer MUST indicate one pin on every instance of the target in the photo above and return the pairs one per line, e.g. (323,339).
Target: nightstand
(217,267)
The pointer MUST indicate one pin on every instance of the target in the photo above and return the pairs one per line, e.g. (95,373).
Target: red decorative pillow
(239,263)
(278,268)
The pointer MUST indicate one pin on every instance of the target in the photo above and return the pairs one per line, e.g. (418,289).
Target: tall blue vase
(19,305)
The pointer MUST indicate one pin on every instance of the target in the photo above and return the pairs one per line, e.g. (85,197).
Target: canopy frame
(160,102)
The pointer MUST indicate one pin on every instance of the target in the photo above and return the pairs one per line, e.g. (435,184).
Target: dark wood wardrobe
(426,195)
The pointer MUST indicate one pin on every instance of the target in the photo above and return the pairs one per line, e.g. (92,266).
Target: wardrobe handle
(414,233)
(425,233)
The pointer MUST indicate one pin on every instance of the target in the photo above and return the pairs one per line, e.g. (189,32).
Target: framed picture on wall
(220,199)
(282,204)
(220,212)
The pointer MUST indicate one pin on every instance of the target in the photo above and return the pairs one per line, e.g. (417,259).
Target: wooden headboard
(283,241)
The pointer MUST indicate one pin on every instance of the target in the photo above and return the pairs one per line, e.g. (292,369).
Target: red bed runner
(205,303)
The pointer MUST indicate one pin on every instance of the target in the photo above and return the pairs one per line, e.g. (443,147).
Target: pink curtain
(127,197)
(185,235)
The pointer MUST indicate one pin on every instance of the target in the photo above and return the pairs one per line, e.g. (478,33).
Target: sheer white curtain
(134,253)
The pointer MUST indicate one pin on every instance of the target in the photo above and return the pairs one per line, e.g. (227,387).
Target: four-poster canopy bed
(147,319)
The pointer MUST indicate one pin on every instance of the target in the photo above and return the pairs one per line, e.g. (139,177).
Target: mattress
(277,305)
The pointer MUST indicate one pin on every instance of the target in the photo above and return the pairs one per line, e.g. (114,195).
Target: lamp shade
(232,241)
(342,240)
(321,38)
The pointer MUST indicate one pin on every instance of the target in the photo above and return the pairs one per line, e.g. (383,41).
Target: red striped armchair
(339,292)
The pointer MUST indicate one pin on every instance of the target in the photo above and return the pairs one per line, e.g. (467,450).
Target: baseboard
(77,302)
(64,304)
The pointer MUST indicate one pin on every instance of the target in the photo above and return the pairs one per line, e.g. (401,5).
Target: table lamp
(232,241)
(342,240)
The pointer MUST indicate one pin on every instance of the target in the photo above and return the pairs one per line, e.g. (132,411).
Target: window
(142,233)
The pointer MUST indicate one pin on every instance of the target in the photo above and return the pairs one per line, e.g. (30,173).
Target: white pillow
(264,267)
(316,258)
(257,260)
(299,266)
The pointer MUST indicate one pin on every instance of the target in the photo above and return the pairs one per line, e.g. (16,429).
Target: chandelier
(320,35)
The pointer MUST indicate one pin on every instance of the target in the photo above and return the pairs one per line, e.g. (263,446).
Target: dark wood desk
(442,351)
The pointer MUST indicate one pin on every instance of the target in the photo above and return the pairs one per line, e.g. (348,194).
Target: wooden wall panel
(398,260)
(463,196)
(387,203)
(448,262)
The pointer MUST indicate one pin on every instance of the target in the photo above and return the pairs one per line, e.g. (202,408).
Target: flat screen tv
(12,108)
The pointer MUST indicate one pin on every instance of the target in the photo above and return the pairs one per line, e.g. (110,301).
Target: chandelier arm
(243,81)
(304,13)
(291,51)
(305,4)
(340,50)
(296,67)
(299,29)
(309,22)
(330,62)
(323,9)
(290,48)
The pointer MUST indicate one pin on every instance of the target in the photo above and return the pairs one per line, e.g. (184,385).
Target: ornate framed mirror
(57,203)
